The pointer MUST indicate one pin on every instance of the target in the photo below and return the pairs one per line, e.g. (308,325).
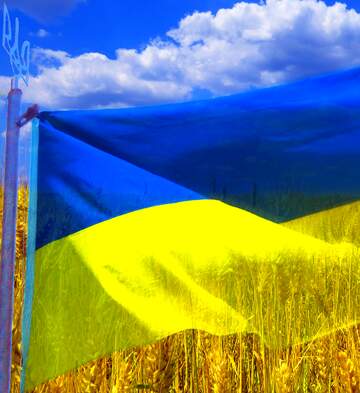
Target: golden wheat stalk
(194,361)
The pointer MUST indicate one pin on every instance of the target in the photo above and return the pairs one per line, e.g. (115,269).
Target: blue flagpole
(30,253)
(8,242)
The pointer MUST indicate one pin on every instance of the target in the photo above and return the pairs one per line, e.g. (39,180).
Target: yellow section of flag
(202,264)
(340,224)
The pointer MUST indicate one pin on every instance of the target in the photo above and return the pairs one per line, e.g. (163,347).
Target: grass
(195,361)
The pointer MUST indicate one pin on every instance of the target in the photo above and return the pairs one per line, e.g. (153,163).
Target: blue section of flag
(280,152)
(80,185)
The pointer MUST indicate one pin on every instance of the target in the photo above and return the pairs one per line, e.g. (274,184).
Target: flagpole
(20,62)
(8,238)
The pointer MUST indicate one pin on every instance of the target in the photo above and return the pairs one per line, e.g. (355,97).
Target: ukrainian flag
(159,219)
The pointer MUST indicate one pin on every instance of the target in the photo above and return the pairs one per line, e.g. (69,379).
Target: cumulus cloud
(47,58)
(4,89)
(254,45)
(44,10)
(41,33)
(93,80)
(246,46)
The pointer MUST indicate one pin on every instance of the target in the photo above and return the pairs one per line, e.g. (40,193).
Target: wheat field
(194,361)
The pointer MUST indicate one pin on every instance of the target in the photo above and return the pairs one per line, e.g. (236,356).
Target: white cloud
(4,88)
(255,45)
(249,45)
(41,33)
(47,58)
(93,80)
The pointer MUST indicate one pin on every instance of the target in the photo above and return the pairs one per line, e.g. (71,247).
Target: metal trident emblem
(19,60)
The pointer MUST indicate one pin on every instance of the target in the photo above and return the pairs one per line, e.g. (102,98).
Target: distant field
(194,361)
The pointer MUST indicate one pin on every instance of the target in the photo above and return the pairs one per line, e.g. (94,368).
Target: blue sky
(105,25)
(107,53)
(110,53)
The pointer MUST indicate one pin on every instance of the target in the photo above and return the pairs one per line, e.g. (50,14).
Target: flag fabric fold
(188,216)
